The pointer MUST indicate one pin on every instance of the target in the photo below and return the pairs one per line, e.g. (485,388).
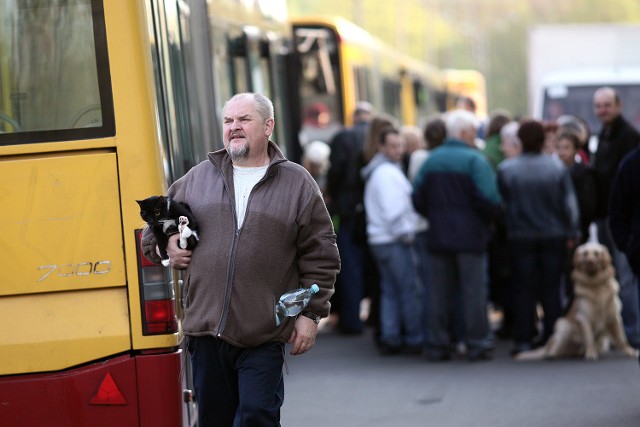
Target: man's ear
(268,126)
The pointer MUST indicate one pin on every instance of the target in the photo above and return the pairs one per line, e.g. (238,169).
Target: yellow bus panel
(38,334)
(64,231)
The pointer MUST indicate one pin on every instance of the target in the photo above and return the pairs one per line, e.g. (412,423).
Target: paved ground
(343,382)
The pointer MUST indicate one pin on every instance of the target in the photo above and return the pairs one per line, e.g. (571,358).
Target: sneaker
(478,355)
(412,350)
(438,356)
(520,347)
(389,350)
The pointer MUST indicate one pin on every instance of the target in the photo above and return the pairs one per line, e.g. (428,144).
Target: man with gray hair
(456,191)
(264,231)
(509,142)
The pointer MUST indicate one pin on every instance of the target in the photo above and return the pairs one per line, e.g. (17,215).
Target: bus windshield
(319,90)
(50,87)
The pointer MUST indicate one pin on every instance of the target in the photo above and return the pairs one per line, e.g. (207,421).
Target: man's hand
(180,258)
(303,336)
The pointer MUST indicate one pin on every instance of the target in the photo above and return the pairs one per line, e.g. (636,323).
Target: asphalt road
(344,382)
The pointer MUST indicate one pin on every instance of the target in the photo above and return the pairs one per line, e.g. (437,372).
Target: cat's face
(153,209)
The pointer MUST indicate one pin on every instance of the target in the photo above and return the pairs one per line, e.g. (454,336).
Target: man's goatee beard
(239,153)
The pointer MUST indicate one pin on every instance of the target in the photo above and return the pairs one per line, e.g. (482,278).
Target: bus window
(319,91)
(421,101)
(171,85)
(197,54)
(364,83)
(315,47)
(60,93)
(275,52)
(391,97)
(238,70)
(238,66)
(264,76)
(223,79)
(258,63)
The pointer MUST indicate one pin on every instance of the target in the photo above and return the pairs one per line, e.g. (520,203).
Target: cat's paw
(183,220)
(185,233)
(166,262)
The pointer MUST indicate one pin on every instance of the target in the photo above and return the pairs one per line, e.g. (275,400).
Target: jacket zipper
(234,245)
(227,295)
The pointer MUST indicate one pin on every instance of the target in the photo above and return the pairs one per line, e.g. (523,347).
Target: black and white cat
(167,217)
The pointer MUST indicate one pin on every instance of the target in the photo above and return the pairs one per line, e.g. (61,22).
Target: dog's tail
(537,354)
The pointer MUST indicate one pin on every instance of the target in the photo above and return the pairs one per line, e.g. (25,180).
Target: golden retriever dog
(594,315)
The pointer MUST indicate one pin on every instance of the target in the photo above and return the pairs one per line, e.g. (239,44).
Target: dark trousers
(628,287)
(537,274)
(234,386)
(350,291)
(457,282)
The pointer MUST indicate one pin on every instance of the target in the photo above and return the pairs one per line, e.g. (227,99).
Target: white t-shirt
(244,179)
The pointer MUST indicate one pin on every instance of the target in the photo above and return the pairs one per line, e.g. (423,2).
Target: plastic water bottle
(292,303)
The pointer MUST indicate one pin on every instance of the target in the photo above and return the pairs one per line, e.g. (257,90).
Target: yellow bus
(341,64)
(103,103)
(468,83)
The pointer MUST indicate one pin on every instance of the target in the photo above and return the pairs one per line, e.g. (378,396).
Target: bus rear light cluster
(157,296)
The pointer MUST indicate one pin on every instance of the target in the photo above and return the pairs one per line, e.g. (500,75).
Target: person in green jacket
(492,149)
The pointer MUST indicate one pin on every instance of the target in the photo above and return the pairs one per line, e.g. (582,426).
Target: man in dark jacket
(615,140)
(456,191)
(344,194)
(624,210)
(542,222)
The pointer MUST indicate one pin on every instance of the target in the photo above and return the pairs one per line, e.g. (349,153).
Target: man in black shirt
(344,194)
(615,140)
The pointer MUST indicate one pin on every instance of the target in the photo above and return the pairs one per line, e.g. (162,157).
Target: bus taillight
(157,297)
(160,317)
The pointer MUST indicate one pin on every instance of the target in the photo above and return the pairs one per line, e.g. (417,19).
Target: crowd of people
(436,226)
(431,237)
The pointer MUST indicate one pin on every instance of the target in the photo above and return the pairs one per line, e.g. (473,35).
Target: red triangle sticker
(108,393)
